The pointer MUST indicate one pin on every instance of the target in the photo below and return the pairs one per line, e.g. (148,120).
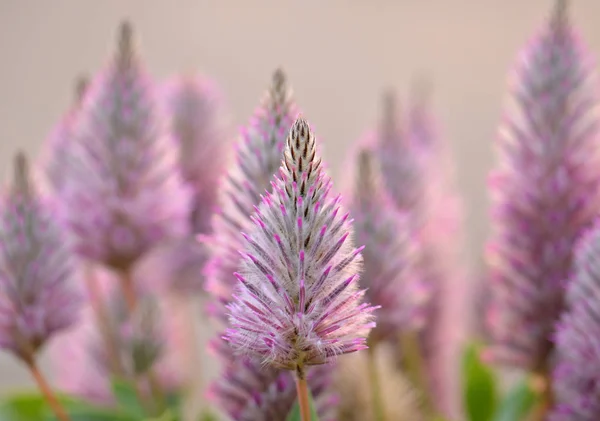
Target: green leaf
(294,414)
(127,398)
(517,403)
(480,391)
(95,414)
(32,406)
(23,407)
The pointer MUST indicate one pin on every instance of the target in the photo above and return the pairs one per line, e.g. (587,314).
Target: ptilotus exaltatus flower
(37,297)
(390,273)
(298,303)
(401,166)
(575,378)
(197,119)
(258,156)
(441,251)
(57,147)
(125,195)
(545,190)
(150,338)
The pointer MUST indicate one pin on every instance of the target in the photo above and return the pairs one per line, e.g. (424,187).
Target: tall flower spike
(125,193)
(390,272)
(297,303)
(196,113)
(258,156)
(575,379)
(37,298)
(56,157)
(83,366)
(544,192)
(400,166)
(442,245)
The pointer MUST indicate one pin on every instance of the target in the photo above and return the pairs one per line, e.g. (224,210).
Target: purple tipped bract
(37,297)
(124,192)
(298,302)
(545,191)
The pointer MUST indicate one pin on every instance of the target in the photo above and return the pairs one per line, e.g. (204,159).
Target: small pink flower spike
(390,274)
(57,148)
(37,296)
(545,190)
(258,156)
(298,303)
(199,125)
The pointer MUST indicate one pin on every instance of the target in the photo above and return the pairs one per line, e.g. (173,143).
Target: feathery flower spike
(82,365)
(298,302)
(197,118)
(125,193)
(442,250)
(545,191)
(575,378)
(400,165)
(57,148)
(37,298)
(390,274)
(258,156)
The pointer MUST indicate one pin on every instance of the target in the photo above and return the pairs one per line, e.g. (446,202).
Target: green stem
(542,381)
(375,386)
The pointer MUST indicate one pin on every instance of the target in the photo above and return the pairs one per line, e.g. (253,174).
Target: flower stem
(542,383)
(303,399)
(376,396)
(103,320)
(415,369)
(129,291)
(49,395)
(158,395)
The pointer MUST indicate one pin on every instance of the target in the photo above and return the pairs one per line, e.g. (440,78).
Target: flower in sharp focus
(390,273)
(258,156)
(37,297)
(124,193)
(298,303)
(544,193)
(198,124)
(575,378)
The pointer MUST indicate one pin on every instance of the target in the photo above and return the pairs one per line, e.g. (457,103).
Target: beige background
(338,54)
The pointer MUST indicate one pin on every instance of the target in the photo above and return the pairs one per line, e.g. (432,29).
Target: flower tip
(21,173)
(81,86)
(279,78)
(125,38)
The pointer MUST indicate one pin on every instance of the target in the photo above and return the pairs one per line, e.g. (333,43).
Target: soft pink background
(339,54)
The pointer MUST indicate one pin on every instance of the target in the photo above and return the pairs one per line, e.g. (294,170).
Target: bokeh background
(339,55)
